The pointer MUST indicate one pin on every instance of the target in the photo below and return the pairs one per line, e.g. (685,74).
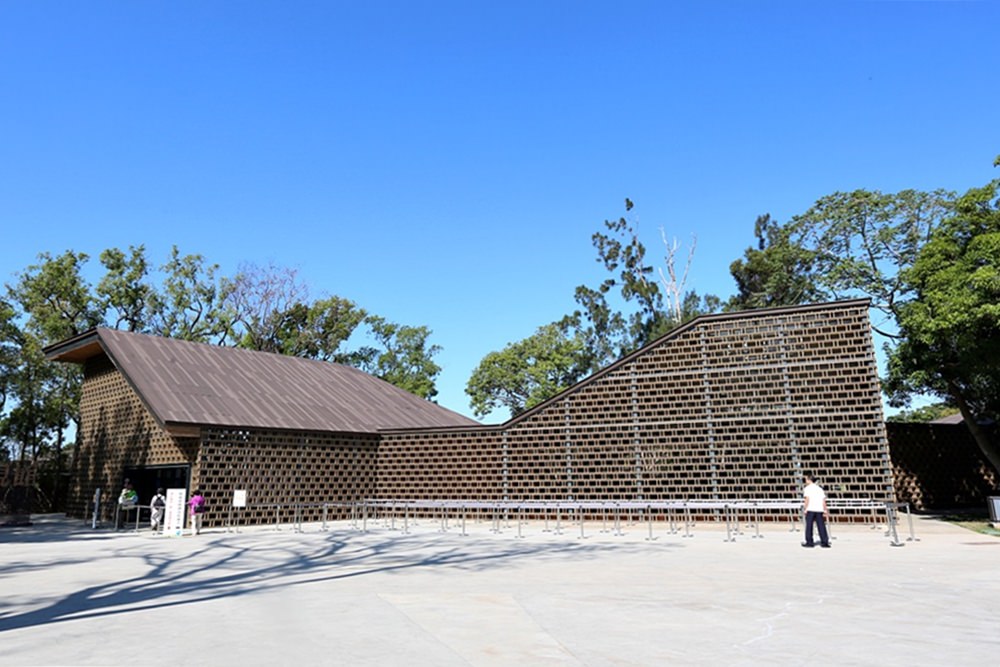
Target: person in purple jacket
(196,507)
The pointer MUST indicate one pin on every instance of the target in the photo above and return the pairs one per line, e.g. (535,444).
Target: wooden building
(728,406)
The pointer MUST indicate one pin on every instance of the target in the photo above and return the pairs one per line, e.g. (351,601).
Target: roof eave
(77,349)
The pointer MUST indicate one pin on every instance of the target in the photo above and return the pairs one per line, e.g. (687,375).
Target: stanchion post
(891,519)
(97,508)
(909,519)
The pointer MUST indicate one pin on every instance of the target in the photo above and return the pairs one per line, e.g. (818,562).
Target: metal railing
(739,516)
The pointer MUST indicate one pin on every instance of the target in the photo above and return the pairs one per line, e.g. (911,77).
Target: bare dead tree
(672,286)
(259,295)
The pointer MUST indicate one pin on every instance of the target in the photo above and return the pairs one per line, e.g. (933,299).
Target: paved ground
(69,595)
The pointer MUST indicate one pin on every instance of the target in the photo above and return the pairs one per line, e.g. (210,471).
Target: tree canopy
(950,327)
(862,240)
(927,260)
(528,372)
(260,308)
(778,272)
(635,303)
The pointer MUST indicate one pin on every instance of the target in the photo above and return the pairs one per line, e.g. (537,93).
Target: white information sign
(173,520)
(240,498)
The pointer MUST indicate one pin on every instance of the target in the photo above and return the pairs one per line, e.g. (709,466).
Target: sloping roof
(186,385)
(670,335)
(950,419)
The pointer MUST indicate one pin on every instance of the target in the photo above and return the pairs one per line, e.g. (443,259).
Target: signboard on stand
(173,519)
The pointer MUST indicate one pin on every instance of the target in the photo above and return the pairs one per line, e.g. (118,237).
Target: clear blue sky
(445,163)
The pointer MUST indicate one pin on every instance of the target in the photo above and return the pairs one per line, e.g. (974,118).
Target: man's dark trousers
(816,518)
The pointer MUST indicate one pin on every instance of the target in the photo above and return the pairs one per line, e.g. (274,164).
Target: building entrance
(147,479)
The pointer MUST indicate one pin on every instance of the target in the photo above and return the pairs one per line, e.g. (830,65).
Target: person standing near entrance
(157,508)
(814,504)
(196,506)
(128,498)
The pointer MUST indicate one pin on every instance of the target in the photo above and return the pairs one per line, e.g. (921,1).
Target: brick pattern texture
(727,409)
(940,467)
(117,432)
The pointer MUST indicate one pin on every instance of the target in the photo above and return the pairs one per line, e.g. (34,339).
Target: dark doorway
(147,479)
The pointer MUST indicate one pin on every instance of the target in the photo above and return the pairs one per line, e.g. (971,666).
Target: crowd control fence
(676,517)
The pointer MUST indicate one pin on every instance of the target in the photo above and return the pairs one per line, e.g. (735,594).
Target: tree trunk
(990,449)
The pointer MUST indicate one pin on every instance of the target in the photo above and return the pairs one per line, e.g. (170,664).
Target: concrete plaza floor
(74,596)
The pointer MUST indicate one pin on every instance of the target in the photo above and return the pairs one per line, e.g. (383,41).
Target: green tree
(10,353)
(32,422)
(950,326)
(319,330)
(862,240)
(638,287)
(271,312)
(926,413)
(778,272)
(635,304)
(10,343)
(404,359)
(57,300)
(125,292)
(612,333)
(57,303)
(190,305)
(527,372)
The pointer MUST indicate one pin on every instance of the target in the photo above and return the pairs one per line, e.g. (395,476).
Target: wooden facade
(732,406)
(727,407)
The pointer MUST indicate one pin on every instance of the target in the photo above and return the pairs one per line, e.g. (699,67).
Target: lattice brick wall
(118,432)
(940,466)
(463,463)
(732,407)
(284,468)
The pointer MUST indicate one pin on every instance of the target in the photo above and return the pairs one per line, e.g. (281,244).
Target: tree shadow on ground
(226,566)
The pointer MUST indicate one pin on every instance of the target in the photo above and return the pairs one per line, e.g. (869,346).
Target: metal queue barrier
(736,514)
(288,515)
(739,516)
(122,514)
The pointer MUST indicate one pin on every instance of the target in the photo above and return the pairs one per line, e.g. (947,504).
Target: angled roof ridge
(187,384)
(676,332)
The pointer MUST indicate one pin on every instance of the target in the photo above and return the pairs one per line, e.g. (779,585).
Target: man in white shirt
(815,508)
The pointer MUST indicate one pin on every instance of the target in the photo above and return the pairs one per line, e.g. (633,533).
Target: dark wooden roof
(188,385)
